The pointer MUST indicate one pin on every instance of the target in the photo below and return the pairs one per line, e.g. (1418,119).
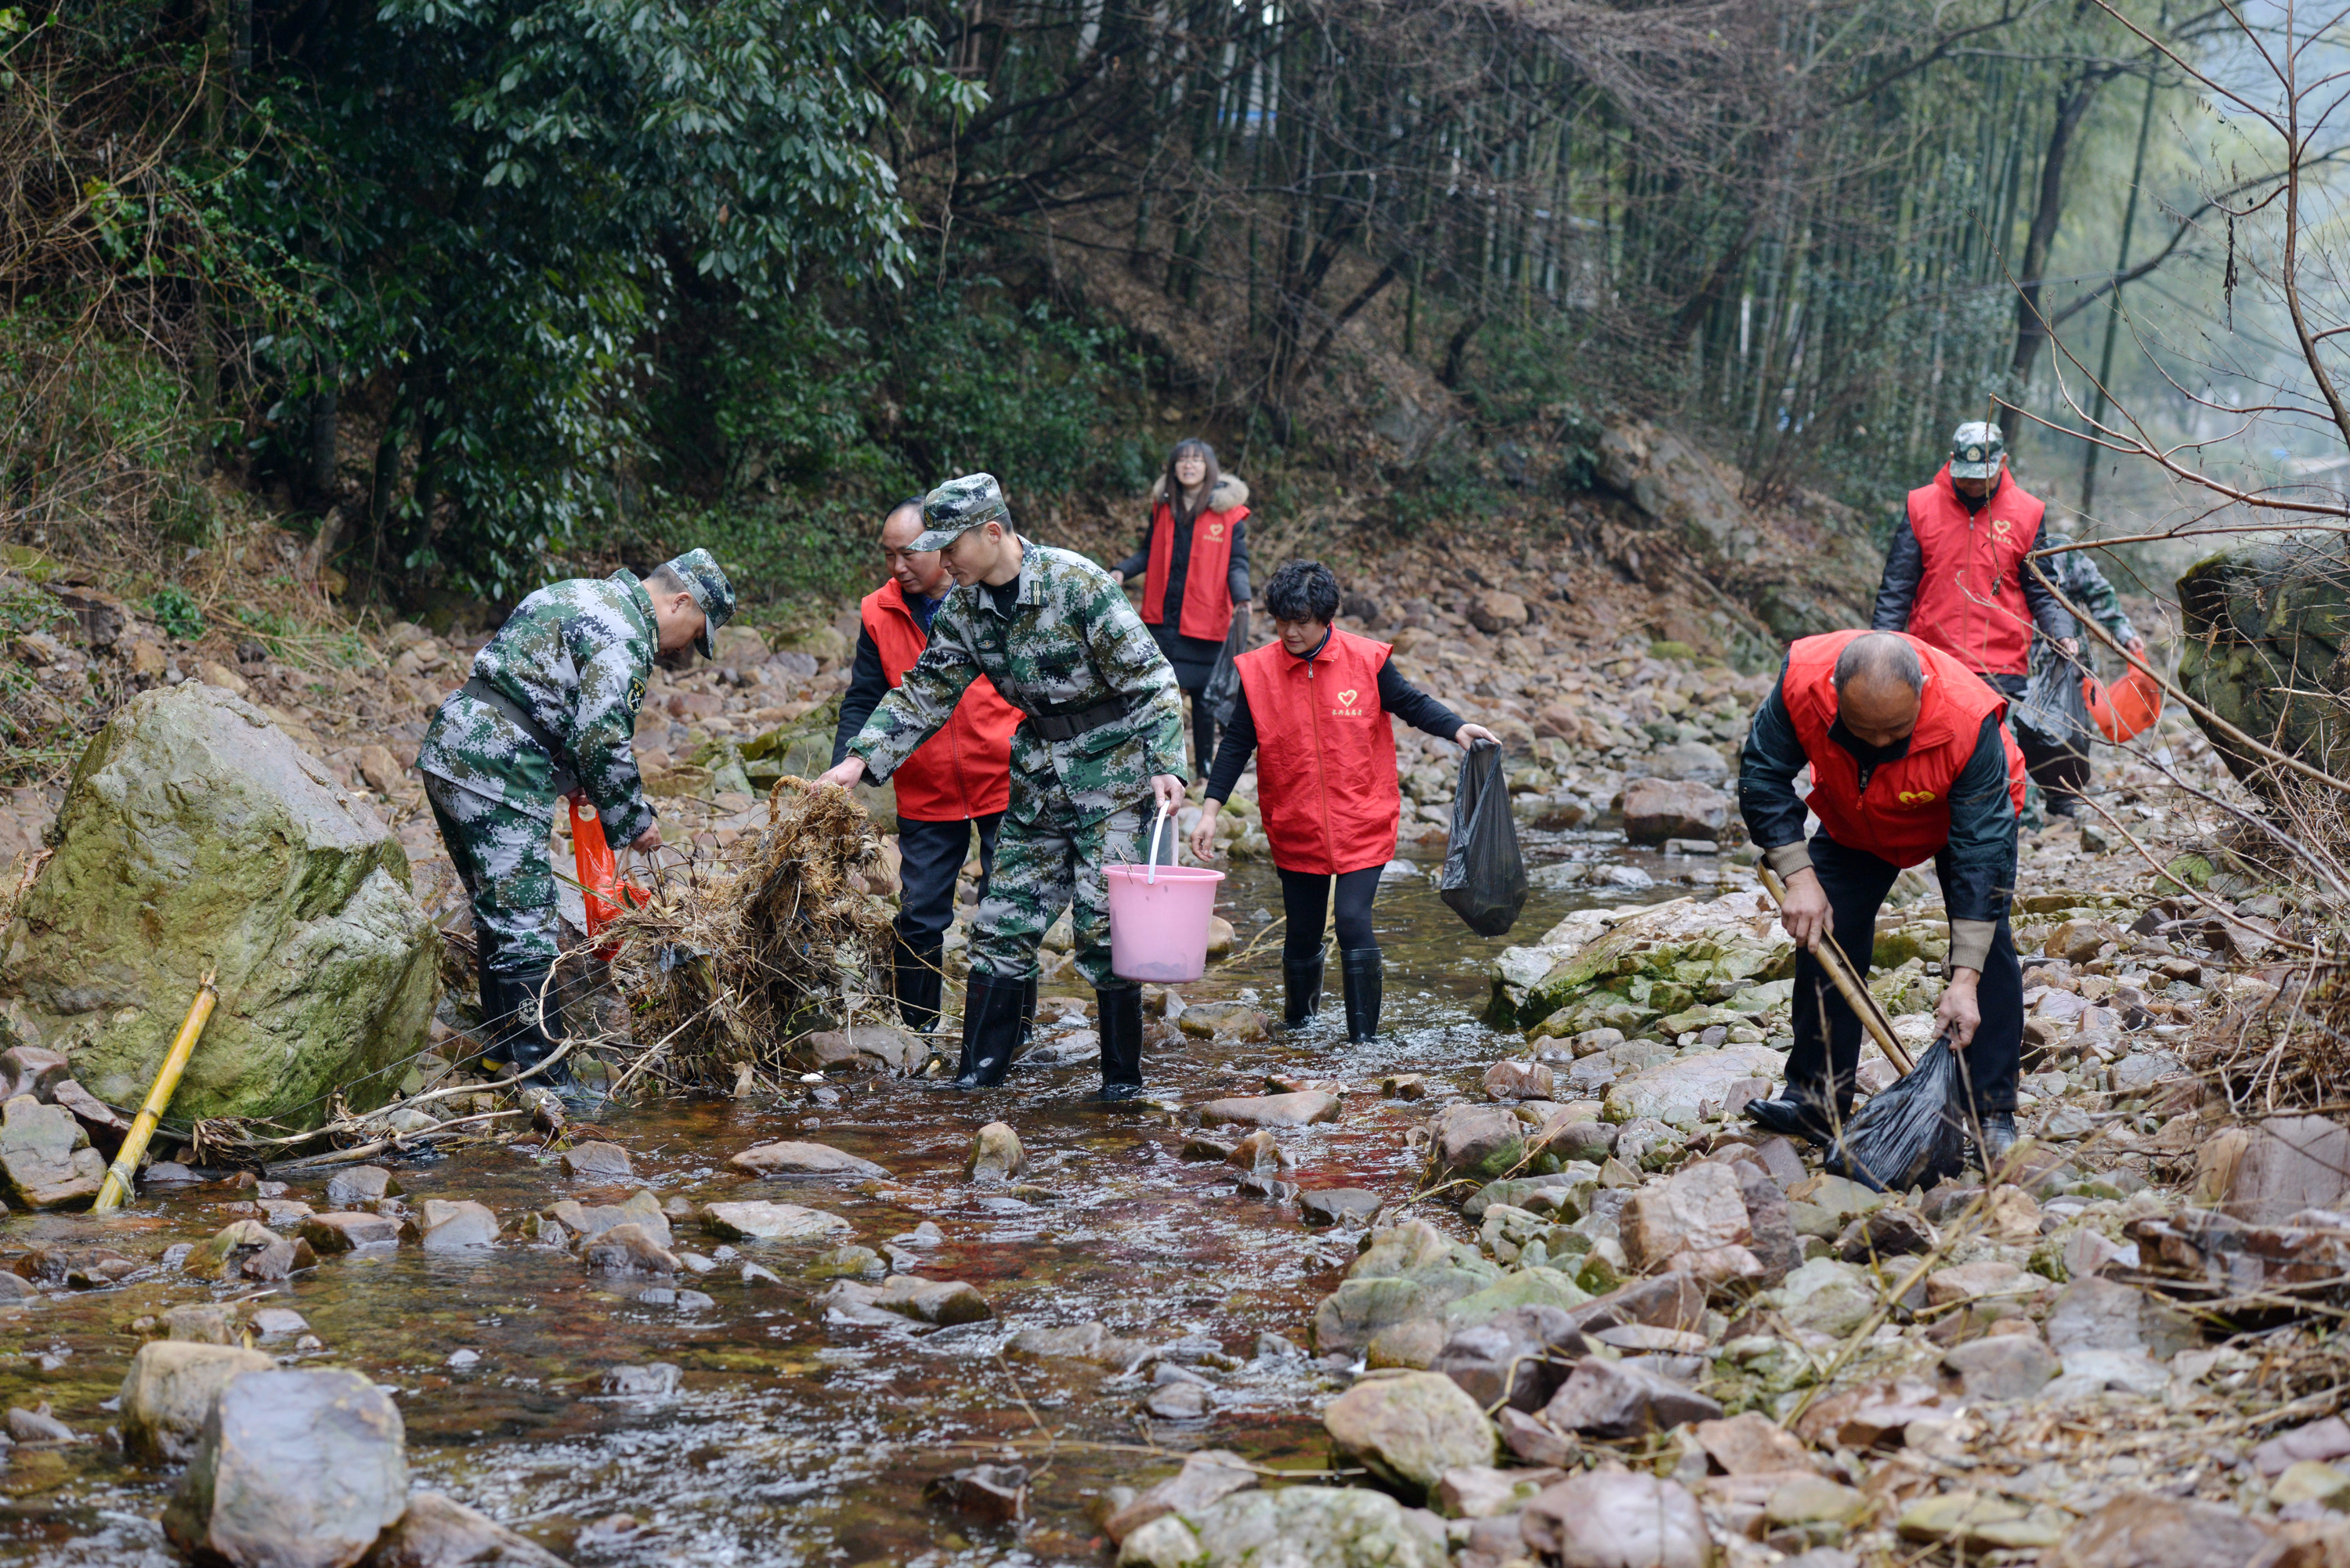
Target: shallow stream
(792,1439)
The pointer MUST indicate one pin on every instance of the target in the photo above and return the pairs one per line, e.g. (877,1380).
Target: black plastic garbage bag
(1484,875)
(1223,688)
(1912,1134)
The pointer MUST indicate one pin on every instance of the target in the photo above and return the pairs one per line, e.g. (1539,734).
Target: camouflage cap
(958,506)
(706,581)
(1977,449)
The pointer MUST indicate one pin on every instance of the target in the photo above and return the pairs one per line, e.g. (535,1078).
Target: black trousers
(2060,772)
(1203,729)
(932,856)
(1855,883)
(1305,896)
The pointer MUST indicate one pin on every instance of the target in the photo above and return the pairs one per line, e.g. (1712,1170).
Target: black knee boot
(1303,980)
(920,983)
(1122,1042)
(1027,1017)
(534,1031)
(990,1028)
(1360,977)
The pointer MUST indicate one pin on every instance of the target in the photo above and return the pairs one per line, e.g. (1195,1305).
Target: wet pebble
(651,1381)
(597,1161)
(1179,1402)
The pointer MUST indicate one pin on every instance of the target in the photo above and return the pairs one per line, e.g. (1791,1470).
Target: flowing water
(793,1439)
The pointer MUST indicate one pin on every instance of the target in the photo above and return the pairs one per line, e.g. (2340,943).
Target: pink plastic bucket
(1159,919)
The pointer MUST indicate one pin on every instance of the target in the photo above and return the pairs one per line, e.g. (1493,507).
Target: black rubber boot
(1793,1115)
(533,1032)
(990,1028)
(1998,1139)
(1121,1042)
(1302,980)
(1361,978)
(919,984)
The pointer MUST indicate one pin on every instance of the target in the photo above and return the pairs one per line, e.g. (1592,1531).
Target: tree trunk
(2030,330)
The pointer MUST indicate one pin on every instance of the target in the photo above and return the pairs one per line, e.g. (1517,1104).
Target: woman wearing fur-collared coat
(1194,567)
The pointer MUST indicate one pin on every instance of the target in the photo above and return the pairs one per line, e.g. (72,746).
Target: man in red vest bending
(1954,574)
(1909,763)
(959,777)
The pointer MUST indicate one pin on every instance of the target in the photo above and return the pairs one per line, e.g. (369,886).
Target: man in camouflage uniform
(2049,724)
(1102,740)
(550,709)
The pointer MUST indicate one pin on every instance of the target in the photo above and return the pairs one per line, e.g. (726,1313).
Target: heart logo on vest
(1916,797)
(1346,699)
(1216,530)
(2000,525)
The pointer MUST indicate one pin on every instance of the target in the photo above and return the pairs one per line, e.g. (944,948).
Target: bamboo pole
(1846,981)
(119,1176)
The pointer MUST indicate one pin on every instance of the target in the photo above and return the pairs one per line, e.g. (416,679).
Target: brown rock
(2143,1531)
(1533,1440)
(349,1232)
(1700,1210)
(381,769)
(105,1124)
(46,1159)
(1752,1444)
(1476,1140)
(2077,941)
(597,1161)
(1659,809)
(248,1250)
(1888,1232)
(359,1186)
(1207,1475)
(2289,1164)
(441,1225)
(1409,1429)
(626,1251)
(1272,1110)
(2002,1365)
(809,1159)
(1518,1081)
(1258,1151)
(1494,611)
(1624,1399)
(1605,1518)
(1984,1277)
(437,1532)
(170,1390)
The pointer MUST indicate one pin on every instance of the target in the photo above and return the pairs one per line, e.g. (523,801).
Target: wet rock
(808,1159)
(1679,1092)
(2139,1531)
(44,1156)
(848,1262)
(442,1225)
(1295,1527)
(272,1325)
(37,1426)
(1623,1399)
(348,1232)
(1410,1428)
(437,1532)
(1478,1142)
(1481,1491)
(996,1154)
(196,834)
(77,1268)
(993,1494)
(867,1048)
(1617,1520)
(941,1302)
(248,1250)
(106,1126)
(1512,1358)
(597,1162)
(1658,809)
(1337,1206)
(626,1251)
(1259,1184)
(1259,1151)
(1178,1402)
(1752,1444)
(2105,1314)
(201,1323)
(1208,1476)
(359,1186)
(1090,1342)
(1221,1020)
(1295,1110)
(295,1469)
(655,1380)
(2289,1164)
(640,1209)
(1699,1211)
(170,1390)
(2002,1366)
(1518,1080)
(763,1222)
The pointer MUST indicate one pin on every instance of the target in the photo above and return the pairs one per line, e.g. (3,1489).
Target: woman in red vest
(1195,576)
(1314,706)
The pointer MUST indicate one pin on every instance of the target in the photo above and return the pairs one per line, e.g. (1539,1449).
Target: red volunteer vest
(1207,581)
(1325,760)
(1905,815)
(1970,597)
(965,770)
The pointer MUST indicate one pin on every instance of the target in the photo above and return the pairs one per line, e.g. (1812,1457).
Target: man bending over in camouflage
(1103,737)
(550,709)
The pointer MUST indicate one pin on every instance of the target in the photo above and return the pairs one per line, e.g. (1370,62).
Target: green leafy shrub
(176,612)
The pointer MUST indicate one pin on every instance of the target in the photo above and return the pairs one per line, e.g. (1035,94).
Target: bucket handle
(1152,877)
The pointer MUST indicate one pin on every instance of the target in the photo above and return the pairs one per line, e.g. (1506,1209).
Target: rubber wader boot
(1360,977)
(1796,1114)
(990,1028)
(920,983)
(1998,1140)
(1121,1042)
(535,1032)
(497,1018)
(1027,1018)
(1303,980)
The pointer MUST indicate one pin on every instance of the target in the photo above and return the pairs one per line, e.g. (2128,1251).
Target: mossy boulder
(195,836)
(2261,620)
(1650,962)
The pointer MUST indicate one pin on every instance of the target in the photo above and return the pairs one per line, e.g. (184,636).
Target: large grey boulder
(2261,621)
(295,1469)
(1296,1527)
(195,835)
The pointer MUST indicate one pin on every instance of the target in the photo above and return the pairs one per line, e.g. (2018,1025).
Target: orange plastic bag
(2126,709)
(600,875)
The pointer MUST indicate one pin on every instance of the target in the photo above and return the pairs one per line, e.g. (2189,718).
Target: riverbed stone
(1292,1527)
(1337,1205)
(248,1250)
(44,1156)
(348,1232)
(1480,1142)
(1826,1296)
(1295,1110)
(2098,1313)
(1624,1399)
(438,1531)
(295,1469)
(1679,1092)
(169,1391)
(450,1225)
(196,836)
(596,1160)
(1410,1428)
(1697,1209)
(995,1155)
(1752,1444)
(1617,1520)
(1507,1359)
(805,1159)
(2289,1164)
(626,1251)
(1657,809)
(2138,1530)
(1515,1080)
(1208,1476)
(940,1301)
(359,1186)
(2002,1365)
(763,1222)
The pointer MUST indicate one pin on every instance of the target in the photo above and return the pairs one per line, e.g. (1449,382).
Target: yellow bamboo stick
(121,1175)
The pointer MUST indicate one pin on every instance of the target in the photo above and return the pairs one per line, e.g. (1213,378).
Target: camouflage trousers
(1041,867)
(499,853)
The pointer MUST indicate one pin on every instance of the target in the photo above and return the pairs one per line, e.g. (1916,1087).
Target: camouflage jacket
(1071,642)
(2077,576)
(575,657)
